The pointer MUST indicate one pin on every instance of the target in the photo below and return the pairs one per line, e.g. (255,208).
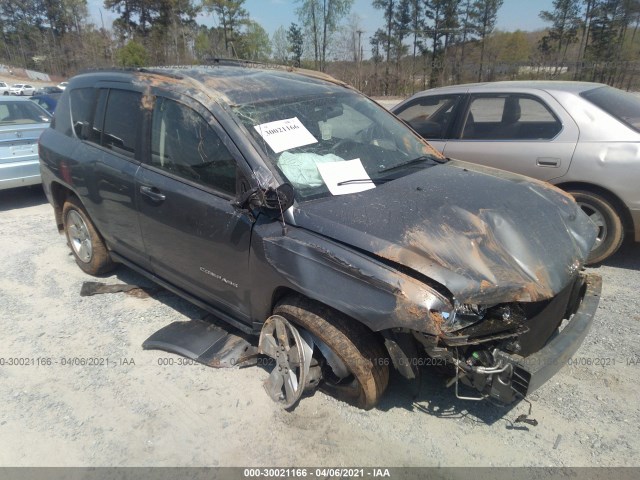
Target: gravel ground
(135,412)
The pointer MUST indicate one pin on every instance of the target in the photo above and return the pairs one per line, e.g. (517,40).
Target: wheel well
(282,292)
(59,193)
(617,204)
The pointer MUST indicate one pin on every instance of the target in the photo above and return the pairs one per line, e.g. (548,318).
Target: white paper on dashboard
(336,172)
(285,134)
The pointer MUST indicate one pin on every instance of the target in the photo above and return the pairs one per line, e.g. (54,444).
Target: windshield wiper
(415,161)
(375,181)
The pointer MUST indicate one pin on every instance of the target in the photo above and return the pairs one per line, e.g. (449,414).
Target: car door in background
(196,239)
(518,132)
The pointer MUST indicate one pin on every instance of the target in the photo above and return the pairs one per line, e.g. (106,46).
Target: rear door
(523,133)
(108,122)
(196,239)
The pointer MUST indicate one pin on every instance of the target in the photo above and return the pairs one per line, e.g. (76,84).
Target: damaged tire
(87,246)
(606,219)
(356,347)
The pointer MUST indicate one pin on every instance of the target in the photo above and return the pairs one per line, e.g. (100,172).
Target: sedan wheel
(610,230)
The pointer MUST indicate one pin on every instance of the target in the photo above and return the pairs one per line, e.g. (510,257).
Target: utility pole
(359,56)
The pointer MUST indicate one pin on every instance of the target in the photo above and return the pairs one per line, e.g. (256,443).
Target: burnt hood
(486,235)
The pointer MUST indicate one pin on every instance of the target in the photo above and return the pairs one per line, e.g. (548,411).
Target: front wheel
(86,244)
(608,222)
(355,363)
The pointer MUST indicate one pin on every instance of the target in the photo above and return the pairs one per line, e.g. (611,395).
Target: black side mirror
(279,199)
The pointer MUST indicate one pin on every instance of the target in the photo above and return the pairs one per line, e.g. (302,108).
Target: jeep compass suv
(295,208)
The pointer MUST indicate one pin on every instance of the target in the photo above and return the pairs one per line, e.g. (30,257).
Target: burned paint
(377,295)
(486,239)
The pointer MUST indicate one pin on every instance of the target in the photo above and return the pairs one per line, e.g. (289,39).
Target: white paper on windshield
(336,172)
(285,134)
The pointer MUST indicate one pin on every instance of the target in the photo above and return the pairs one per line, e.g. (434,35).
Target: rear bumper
(529,373)
(19,174)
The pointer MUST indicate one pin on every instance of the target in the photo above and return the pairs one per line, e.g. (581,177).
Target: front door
(195,238)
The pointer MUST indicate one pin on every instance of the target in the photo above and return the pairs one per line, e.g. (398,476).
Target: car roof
(230,82)
(545,85)
(13,98)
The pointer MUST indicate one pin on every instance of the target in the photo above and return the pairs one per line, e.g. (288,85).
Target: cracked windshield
(334,144)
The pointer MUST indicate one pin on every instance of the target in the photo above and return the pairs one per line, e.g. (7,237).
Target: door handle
(548,162)
(153,193)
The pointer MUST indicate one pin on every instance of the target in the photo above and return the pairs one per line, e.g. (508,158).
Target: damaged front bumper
(514,376)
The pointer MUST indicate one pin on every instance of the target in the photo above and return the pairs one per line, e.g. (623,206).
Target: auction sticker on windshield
(285,134)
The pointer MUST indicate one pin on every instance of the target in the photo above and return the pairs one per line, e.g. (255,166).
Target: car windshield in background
(622,105)
(22,113)
(334,144)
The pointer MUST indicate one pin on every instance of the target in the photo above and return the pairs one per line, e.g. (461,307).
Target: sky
(271,14)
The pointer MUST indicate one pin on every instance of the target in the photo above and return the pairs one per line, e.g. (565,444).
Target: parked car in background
(582,137)
(21,123)
(4,88)
(295,208)
(48,102)
(22,89)
(62,85)
(48,90)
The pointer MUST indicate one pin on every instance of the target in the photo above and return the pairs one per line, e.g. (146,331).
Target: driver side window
(184,144)
(431,116)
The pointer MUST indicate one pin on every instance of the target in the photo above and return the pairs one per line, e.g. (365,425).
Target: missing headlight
(462,316)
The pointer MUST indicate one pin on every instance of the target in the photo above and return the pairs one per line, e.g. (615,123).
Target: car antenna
(284,224)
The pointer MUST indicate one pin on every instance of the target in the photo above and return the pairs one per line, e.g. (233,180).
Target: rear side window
(122,119)
(622,105)
(82,105)
(21,113)
(510,117)
(183,143)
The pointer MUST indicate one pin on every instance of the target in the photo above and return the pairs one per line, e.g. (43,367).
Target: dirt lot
(132,411)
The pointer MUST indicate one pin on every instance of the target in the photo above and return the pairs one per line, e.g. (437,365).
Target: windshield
(622,105)
(21,113)
(333,144)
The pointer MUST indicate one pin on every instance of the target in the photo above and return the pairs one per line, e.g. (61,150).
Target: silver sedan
(582,137)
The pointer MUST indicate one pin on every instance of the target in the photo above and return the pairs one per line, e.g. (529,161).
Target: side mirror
(279,199)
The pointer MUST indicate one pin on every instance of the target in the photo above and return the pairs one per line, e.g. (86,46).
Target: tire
(361,351)
(608,221)
(87,246)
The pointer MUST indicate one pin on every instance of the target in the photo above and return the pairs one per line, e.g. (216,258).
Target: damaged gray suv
(296,209)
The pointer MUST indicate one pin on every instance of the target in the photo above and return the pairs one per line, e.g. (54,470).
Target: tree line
(421,43)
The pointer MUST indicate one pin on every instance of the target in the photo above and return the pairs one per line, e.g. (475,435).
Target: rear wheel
(607,221)
(354,361)
(86,244)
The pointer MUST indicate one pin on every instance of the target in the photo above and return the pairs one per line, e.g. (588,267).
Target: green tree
(383,39)
(565,23)
(321,18)
(468,28)
(254,42)
(443,17)
(133,54)
(232,16)
(485,15)
(296,42)
(280,45)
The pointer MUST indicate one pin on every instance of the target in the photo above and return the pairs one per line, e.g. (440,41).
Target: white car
(4,88)
(62,85)
(22,89)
